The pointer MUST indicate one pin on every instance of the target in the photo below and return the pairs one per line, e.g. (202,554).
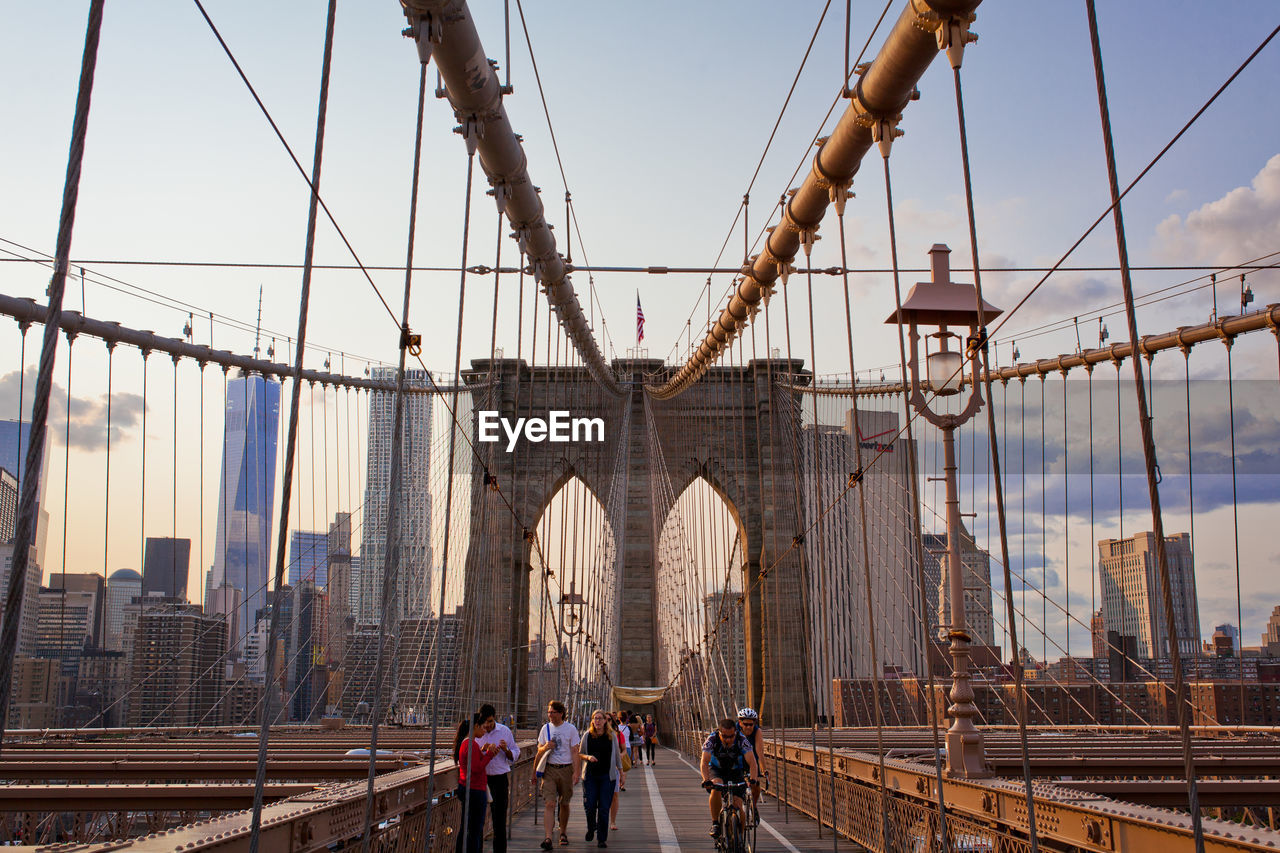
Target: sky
(661,113)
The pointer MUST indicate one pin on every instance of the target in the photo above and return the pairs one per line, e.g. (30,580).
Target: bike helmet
(748,714)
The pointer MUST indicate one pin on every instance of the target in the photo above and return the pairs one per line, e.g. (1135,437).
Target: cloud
(1243,224)
(1176,195)
(88,425)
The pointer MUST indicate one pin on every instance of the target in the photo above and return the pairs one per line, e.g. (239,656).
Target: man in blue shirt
(727,759)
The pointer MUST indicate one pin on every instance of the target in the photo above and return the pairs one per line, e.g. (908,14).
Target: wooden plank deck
(664,810)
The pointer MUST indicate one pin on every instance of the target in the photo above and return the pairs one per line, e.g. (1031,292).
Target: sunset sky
(661,113)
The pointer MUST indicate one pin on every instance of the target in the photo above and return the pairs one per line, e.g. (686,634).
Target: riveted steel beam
(444,31)
(1183,338)
(74,323)
(875,107)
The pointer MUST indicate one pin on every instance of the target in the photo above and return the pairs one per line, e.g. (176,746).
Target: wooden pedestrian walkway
(664,810)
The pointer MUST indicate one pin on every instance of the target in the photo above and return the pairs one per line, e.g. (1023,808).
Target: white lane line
(784,842)
(781,840)
(666,832)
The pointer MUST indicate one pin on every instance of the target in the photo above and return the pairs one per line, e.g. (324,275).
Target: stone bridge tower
(729,429)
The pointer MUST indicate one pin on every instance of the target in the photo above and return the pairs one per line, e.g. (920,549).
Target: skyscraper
(15,439)
(1271,637)
(175,667)
(976,565)
(338,592)
(834,549)
(1132,604)
(723,613)
(165,565)
(64,626)
(8,504)
(412,591)
(29,603)
(242,555)
(123,586)
(308,557)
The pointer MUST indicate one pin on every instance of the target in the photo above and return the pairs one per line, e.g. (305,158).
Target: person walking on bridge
(599,749)
(499,771)
(473,785)
(650,737)
(559,765)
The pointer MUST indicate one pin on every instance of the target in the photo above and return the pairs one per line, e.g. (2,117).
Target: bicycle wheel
(749,831)
(722,841)
(734,841)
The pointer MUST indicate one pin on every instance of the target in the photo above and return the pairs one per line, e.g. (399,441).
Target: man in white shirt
(558,742)
(499,770)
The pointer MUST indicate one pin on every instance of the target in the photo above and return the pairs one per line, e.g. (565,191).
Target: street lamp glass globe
(944,372)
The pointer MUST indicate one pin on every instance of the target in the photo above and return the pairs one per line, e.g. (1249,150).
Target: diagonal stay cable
(1159,156)
(733,226)
(301,171)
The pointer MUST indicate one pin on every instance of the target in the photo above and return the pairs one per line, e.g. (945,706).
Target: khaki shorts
(557,782)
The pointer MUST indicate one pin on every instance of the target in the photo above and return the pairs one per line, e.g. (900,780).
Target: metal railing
(412,812)
(982,815)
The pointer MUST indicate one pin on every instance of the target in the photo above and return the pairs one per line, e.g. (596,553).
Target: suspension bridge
(965,588)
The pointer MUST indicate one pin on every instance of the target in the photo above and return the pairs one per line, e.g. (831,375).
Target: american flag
(639,320)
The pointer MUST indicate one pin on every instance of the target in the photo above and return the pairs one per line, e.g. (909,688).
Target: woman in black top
(599,749)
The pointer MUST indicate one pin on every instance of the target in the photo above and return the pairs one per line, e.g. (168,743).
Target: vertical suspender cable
(1093,548)
(817,524)
(955,53)
(1066,520)
(389,610)
(1148,439)
(173,522)
(395,484)
(1235,521)
(142,500)
(914,474)
(66,480)
(840,195)
(273,631)
(25,532)
(106,487)
(1044,535)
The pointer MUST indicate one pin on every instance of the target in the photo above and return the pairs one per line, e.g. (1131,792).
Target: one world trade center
(242,559)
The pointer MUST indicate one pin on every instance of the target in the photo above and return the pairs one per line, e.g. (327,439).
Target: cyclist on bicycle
(727,759)
(749,726)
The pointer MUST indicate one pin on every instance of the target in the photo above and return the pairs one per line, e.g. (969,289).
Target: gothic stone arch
(741,449)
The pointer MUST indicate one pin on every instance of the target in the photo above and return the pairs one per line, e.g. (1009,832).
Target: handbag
(541,765)
(626,762)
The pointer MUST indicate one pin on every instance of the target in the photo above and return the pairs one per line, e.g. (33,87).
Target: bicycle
(737,830)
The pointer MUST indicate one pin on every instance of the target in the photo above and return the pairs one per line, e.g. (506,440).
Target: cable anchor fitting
(840,193)
(471,129)
(410,341)
(953,35)
(785,270)
(855,478)
(808,237)
(884,131)
(425,31)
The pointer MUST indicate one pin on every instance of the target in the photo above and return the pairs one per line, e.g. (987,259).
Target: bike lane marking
(666,832)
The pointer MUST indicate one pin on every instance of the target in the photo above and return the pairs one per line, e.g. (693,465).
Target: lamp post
(571,623)
(944,304)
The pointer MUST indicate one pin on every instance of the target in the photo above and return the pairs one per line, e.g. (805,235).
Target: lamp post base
(965,755)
